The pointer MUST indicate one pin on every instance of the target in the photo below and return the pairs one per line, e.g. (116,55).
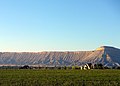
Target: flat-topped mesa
(104,48)
(105,54)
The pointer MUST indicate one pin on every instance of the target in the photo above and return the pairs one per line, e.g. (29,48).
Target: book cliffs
(108,56)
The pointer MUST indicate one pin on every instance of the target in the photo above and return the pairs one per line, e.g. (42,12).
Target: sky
(58,25)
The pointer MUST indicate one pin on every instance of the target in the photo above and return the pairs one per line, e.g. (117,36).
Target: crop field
(59,77)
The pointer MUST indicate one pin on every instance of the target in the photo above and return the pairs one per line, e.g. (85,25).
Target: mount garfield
(108,56)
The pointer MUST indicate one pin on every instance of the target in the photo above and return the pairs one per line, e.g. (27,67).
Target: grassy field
(59,77)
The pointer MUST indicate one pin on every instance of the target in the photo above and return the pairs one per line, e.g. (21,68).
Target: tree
(99,66)
(25,67)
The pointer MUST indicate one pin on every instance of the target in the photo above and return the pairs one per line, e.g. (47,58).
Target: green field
(59,77)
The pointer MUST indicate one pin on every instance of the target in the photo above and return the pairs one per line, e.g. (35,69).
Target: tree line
(84,67)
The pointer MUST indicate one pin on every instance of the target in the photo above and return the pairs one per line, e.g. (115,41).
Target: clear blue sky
(49,25)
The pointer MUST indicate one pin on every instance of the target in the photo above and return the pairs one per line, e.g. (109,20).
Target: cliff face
(106,55)
(109,56)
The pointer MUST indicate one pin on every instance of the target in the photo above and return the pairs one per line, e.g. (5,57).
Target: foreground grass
(59,78)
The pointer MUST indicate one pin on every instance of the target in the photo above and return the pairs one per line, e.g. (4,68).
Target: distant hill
(108,56)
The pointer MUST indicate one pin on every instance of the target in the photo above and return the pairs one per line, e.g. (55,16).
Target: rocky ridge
(108,56)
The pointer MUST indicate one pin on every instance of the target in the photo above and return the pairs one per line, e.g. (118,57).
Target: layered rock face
(106,55)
